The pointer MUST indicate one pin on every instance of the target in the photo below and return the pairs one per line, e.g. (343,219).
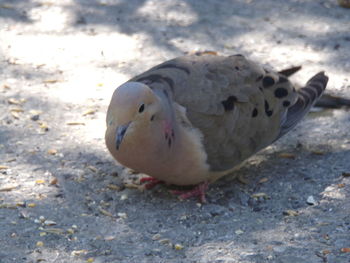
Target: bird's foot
(150,182)
(197,191)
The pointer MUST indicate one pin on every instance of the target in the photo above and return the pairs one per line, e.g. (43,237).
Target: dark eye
(142,108)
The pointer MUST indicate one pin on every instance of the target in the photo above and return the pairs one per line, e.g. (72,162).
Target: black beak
(120,132)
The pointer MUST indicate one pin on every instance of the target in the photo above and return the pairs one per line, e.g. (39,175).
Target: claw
(150,182)
(197,191)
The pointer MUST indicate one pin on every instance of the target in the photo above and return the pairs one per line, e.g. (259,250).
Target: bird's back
(238,106)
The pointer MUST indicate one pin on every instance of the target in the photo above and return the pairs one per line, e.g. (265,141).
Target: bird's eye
(142,108)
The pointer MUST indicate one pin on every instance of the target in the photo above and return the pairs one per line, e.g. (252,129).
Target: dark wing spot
(237,68)
(268,81)
(255,112)
(281,92)
(229,103)
(170,65)
(286,103)
(237,55)
(267,109)
(269,113)
(152,118)
(266,105)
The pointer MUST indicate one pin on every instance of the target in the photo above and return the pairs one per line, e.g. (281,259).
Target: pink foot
(197,191)
(150,182)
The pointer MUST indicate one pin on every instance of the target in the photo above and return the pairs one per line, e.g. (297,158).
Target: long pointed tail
(330,101)
(307,96)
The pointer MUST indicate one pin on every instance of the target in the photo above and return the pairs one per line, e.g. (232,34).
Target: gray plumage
(231,106)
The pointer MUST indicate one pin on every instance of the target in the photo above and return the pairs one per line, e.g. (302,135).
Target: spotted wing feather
(238,106)
(307,96)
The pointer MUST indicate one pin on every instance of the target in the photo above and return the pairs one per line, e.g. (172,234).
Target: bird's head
(134,111)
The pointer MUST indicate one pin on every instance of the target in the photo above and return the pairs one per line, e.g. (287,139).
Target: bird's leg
(197,191)
(150,182)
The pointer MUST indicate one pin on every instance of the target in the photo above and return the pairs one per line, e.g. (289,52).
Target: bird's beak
(120,132)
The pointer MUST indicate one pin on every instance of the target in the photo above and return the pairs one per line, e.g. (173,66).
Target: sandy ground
(63,198)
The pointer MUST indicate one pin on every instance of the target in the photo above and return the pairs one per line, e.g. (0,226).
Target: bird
(194,119)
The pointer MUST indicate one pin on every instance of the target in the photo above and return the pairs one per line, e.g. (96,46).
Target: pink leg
(197,191)
(150,182)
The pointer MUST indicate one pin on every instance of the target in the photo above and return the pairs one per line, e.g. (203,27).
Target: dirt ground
(64,199)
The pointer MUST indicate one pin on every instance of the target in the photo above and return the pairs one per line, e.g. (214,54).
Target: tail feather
(307,96)
(330,101)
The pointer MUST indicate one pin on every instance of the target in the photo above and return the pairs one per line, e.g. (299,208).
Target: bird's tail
(330,101)
(307,96)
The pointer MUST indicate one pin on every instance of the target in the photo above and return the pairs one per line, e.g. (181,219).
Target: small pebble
(105,212)
(260,195)
(178,247)
(311,200)
(239,232)
(70,231)
(35,117)
(52,151)
(123,197)
(109,238)
(164,241)
(114,187)
(123,215)
(53,181)
(263,180)
(15,115)
(49,223)
(78,252)
(39,244)
(290,212)
(21,204)
(156,237)
(326,251)
(40,181)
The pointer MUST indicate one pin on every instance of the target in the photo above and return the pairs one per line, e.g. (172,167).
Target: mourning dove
(193,119)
